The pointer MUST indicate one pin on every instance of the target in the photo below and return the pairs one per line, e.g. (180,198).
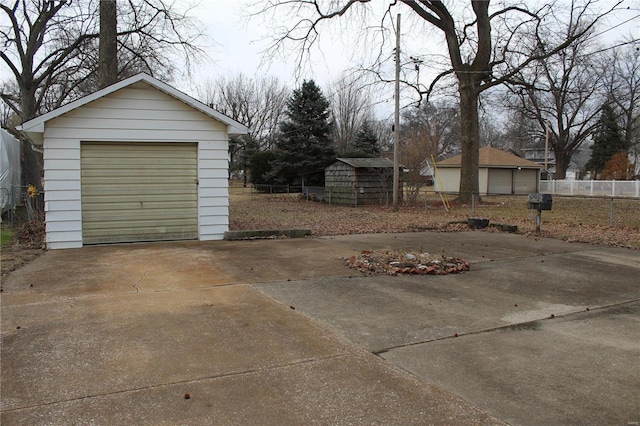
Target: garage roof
(36,125)
(493,157)
(367,162)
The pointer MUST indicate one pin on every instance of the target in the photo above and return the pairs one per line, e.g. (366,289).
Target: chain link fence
(574,210)
(23,203)
(601,211)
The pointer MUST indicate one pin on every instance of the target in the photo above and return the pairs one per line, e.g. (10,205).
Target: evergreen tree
(365,144)
(260,166)
(607,140)
(304,145)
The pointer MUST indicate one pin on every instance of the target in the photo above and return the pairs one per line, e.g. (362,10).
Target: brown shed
(354,181)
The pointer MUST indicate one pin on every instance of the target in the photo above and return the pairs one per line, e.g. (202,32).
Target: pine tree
(365,144)
(304,145)
(607,140)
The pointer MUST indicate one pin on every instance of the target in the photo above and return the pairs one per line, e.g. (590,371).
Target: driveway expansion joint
(530,323)
(178,382)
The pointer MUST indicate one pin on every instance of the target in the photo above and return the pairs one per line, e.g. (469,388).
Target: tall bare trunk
(31,159)
(108,60)
(562,164)
(470,134)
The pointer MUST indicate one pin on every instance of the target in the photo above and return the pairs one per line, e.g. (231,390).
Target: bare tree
(350,108)
(51,43)
(429,131)
(520,132)
(565,92)
(485,48)
(622,69)
(50,47)
(383,128)
(438,123)
(257,103)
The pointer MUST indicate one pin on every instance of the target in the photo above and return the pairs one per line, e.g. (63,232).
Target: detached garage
(499,172)
(136,161)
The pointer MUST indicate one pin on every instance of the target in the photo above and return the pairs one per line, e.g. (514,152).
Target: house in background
(576,167)
(358,181)
(135,161)
(499,172)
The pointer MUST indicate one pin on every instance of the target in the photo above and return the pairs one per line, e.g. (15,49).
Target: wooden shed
(135,161)
(357,181)
(499,172)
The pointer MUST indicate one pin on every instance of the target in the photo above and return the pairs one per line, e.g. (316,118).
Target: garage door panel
(155,183)
(526,181)
(139,192)
(126,163)
(123,202)
(143,220)
(132,215)
(500,181)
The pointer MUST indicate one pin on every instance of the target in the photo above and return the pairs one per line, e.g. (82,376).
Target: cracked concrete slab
(280,332)
(575,370)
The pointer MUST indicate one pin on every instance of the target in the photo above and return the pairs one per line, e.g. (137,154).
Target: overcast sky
(240,41)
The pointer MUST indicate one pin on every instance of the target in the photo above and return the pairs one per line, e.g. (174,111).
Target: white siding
(483,180)
(213,192)
(448,179)
(138,113)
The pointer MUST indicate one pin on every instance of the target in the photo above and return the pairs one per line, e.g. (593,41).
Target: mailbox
(540,201)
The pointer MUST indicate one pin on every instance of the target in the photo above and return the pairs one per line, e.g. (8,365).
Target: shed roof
(367,162)
(36,125)
(492,157)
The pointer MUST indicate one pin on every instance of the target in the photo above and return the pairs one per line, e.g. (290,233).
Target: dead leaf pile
(30,235)
(394,262)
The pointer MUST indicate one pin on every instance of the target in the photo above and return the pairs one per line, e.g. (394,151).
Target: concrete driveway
(279,332)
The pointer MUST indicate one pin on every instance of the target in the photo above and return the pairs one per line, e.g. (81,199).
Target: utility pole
(396,124)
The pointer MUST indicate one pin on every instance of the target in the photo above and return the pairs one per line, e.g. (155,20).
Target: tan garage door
(139,192)
(500,181)
(526,181)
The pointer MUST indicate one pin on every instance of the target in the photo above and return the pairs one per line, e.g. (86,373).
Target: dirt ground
(574,220)
(14,257)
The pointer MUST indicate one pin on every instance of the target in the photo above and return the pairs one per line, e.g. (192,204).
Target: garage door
(139,192)
(500,181)
(526,181)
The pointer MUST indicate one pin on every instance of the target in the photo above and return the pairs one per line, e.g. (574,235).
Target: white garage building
(136,161)
(499,172)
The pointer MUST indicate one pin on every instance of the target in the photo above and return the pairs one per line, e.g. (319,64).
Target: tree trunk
(108,54)
(31,159)
(562,164)
(470,134)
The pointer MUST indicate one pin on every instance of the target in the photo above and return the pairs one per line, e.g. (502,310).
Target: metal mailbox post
(540,202)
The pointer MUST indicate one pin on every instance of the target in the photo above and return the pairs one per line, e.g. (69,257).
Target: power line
(614,27)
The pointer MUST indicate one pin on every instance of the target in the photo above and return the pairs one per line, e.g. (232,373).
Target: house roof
(367,162)
(492,157)
(36,125)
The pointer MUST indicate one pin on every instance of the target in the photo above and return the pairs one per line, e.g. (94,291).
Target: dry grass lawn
(572,219)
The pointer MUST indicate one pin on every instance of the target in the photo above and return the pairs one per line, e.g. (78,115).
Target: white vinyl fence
(596,188)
